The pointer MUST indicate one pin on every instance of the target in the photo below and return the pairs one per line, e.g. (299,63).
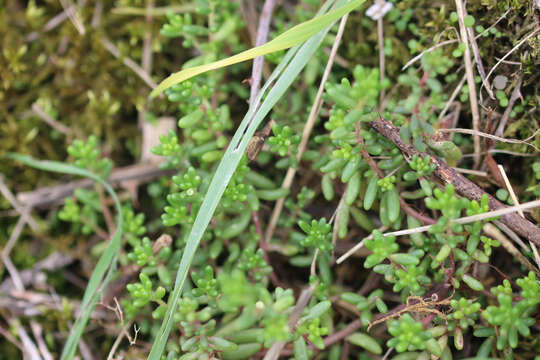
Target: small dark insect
(257,141)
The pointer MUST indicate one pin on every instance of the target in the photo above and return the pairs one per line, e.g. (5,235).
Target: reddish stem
(407,209)
(257,222)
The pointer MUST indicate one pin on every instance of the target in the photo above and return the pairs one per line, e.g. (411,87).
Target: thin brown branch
(438,293)
(13,272)
(493,232)
(407,209)
(95,228)
(520,212)
(303,300)
(357,247)
(258,227)
(340,60)
(516,94)
(497,151)
(345,351)
(488,216)
(334,338)
(463,186)
(434,47)
(372,164)
(256,75)
(511,234)
(118,340)
(453,97)
(14,236)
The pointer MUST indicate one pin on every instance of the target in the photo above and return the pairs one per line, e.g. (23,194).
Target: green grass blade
(228,165)
(292,37)
(106,263)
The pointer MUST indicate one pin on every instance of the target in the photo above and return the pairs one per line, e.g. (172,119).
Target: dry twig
(373,165)
(516,94)
(275,350)
(463,186)
(334,338)
(414,304)
(493,232)
(452,97)
(493,137)
(358,246)
(520,212)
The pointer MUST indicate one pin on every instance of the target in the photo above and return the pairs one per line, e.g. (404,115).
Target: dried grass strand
(469,219)
(516,201)
(315,109)
(493,137)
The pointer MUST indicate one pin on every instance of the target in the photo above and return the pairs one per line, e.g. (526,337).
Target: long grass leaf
(228,165)
(292,37)
(106,263)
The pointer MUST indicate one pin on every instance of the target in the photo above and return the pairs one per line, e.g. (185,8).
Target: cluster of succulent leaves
(230,308)
(426,261)
(237,290)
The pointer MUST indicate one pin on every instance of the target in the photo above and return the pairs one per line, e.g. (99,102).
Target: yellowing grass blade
(294,36)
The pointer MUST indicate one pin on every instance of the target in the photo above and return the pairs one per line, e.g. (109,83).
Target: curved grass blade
(228,165)
(292,37)
(106,263)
